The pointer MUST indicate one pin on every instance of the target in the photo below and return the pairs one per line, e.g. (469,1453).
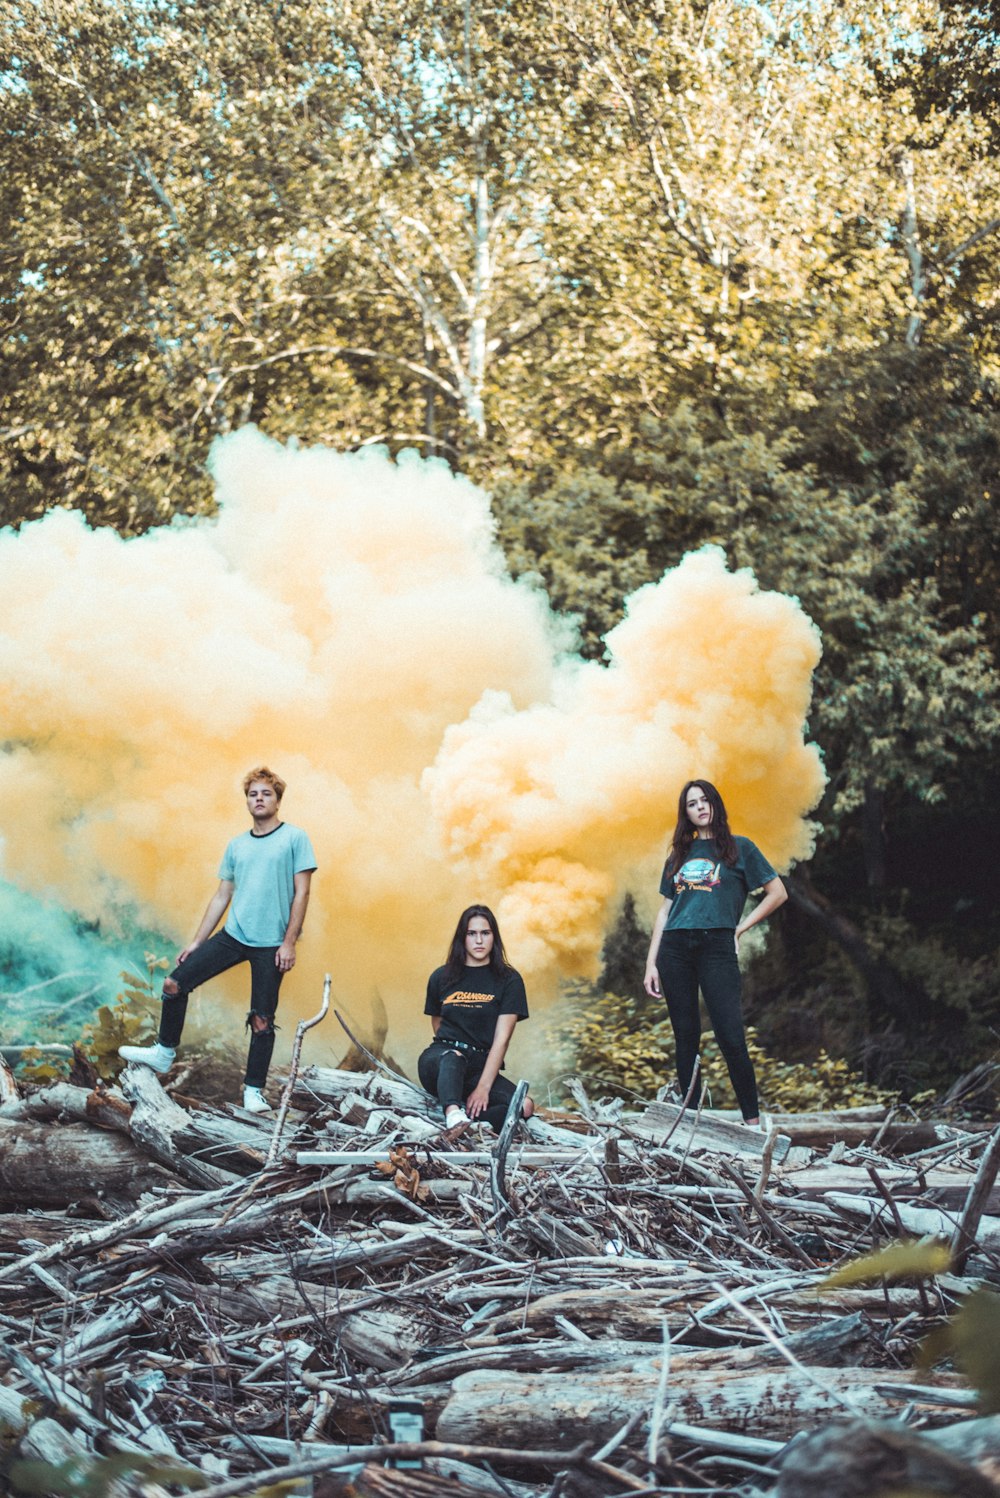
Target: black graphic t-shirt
(470,1004)
(706,893)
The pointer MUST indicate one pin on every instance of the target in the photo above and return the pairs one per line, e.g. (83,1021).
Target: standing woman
(475,1002)
(696,934)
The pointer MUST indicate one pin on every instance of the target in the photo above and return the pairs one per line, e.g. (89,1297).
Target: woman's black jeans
(687,961)
(451,1075)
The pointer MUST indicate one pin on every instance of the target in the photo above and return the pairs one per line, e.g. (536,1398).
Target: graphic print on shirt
(698,873)
(468,1000)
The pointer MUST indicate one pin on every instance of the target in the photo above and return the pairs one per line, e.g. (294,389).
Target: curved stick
(293,1070)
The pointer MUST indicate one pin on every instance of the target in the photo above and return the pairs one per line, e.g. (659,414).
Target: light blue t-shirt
(263,871)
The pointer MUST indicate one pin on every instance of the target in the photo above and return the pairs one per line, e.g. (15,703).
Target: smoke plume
(350,621)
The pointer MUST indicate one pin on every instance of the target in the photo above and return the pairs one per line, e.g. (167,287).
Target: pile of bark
(618,1301)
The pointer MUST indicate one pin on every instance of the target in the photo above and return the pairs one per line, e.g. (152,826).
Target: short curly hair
(263,773)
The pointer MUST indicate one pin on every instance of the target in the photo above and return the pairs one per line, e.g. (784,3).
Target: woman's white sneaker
(254,1101)
(159,1057)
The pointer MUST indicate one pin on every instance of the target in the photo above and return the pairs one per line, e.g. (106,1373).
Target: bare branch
(973,239)
(332,350)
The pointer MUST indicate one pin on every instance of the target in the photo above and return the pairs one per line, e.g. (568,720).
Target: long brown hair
(455,963)
(684,832)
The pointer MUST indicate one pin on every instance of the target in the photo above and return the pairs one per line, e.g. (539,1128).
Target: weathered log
(156,1119)
(859,1459)
(559,1411)
(325,1085)
(529,1357)
(704,1131)
(57,1167)
(381,1338)
(622,1312)
(941,1187)
(821,1131)
(100,1106)
(918,1220)
(235,1144)
(20,1228)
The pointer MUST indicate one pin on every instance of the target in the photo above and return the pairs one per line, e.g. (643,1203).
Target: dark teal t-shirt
(706,893)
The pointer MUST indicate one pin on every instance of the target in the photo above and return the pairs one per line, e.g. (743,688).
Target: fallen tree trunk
(44,1167)
(235,1145)
(561,1411)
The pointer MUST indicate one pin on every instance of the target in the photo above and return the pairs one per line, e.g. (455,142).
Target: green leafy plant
(132,1019)
(35,1066)
(624,1046)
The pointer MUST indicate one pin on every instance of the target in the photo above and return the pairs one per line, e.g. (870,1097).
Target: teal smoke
(57,970)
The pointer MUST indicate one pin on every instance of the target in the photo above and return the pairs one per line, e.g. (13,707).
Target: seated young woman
(475,1001)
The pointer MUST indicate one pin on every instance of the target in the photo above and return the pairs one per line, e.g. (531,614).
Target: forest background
(654,274)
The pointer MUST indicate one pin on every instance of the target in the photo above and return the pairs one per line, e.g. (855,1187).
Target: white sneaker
(159,1057)
(254,1101)
(454,1116)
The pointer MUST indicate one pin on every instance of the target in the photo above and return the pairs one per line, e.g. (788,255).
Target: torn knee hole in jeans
(260,1024)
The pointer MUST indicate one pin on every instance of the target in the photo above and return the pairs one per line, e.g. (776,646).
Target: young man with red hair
(264,882)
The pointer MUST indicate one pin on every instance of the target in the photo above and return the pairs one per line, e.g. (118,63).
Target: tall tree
(329,220)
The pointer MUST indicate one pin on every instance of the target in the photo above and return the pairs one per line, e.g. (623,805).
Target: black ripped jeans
(687,961)
(215,956)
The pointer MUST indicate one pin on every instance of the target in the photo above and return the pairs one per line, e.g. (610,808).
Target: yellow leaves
(920,1258)
(972,1338)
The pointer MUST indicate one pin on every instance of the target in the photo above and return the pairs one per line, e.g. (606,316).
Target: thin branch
(973,239)
(334,351)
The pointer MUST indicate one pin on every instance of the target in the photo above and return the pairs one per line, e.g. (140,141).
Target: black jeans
(451,1075)
(687,961)
(215,956)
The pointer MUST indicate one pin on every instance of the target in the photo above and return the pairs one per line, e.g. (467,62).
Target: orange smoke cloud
(570,803)
(350,621)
